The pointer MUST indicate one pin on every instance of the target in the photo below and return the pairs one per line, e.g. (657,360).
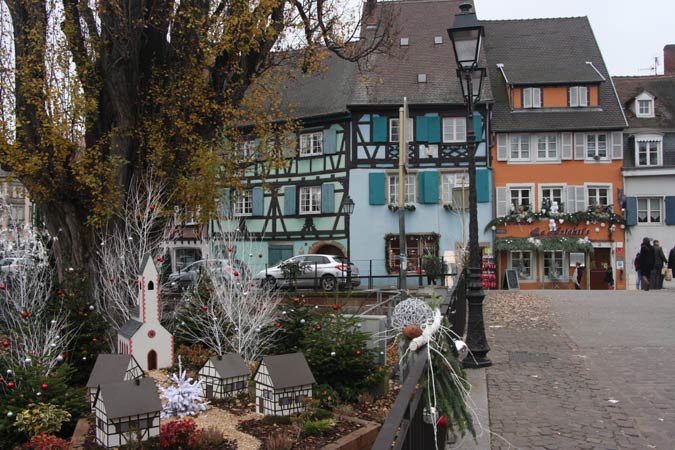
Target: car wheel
(269,282)
(328,282)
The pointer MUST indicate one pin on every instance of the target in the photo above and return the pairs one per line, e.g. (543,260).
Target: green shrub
(318,427)
(41,418)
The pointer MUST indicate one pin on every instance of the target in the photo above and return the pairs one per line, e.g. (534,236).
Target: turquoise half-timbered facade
(298,208)
(437,182)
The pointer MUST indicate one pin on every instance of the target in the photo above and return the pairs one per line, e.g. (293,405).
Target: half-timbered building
(282,383)
(224,376)
(126,412)
(422,69)
(111,368)
(143,336)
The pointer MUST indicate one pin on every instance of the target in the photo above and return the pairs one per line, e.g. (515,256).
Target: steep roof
(660,86)
(230,365)
(288,370)
(548,51)
(130,327)
(387,78)
(130,398)
(108,368)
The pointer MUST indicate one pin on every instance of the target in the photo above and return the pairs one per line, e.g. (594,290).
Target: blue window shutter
(225,203)
(327,198)
(631,211)
(482,185)
(376,188)
(422,127)
(258,200)
(478,126)
(329,141)
(670,210)
(380,131)
(428,186)
(289,201)
(434,129)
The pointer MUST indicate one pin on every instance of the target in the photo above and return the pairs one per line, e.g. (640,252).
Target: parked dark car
(190,275)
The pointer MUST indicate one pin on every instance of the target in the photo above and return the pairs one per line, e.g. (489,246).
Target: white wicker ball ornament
(410,311)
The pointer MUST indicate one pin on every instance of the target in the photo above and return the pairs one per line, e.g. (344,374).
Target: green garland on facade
(565,244)
(593,215)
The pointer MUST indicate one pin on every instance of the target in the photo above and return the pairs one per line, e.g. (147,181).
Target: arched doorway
(152,360)
(328,248)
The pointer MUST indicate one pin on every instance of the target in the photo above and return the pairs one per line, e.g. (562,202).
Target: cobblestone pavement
(556,383)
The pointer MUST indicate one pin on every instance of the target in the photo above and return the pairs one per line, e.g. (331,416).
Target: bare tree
(139,232)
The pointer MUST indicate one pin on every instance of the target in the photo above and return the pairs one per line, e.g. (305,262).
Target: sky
(630,33)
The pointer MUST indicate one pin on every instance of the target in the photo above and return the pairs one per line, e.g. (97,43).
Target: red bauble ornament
(442,422)
(1,379)
(229,249)
(152,207)
(318,328)
(205,308)
(296,300)
(111,279)
(2,286)
(278,325)
(259,255)
(206,289)
(336,307)
(160,259)
(136,281)
(44,386)
(5,344)
(25,314)
(235,273)
(11,385)
(358,353)
(59,292)
(93,339)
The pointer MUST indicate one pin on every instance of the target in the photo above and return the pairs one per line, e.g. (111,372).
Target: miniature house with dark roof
(282,383)
(127,411)
(143,336)
(112,368)
(224,376)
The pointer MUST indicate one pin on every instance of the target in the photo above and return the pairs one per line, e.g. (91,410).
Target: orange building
(557,156)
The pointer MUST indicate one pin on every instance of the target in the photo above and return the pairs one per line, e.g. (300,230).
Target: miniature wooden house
(143,336)
(112,368)
(282,383)
(224,376)
(127,411)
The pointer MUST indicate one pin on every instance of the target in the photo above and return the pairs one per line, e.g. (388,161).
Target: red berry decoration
(336,307)
(442,422)
(59,292)
(111,279)
(160,259)
(358,353)
(205,308)
(44,386)
(136,281)
(229,249)
(11,385)
(318,328)
(25,314)
(278,325)
(152,207)
(5,344)
(296,300)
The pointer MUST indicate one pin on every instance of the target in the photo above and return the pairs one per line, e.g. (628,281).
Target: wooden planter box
(361,439)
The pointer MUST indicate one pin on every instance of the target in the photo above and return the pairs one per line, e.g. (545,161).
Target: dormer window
(531,98)
(644,105)
(578,96)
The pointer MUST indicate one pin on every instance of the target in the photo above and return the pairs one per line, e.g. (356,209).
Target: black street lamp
(466,35)
(348,207)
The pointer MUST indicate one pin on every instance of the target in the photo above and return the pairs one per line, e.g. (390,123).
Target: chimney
(669,59)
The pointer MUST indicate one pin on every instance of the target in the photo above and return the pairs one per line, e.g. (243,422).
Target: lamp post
(348,207)
(466,35)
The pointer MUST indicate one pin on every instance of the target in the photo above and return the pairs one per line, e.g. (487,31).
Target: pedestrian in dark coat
(671,259)
(660,262)
(646,262)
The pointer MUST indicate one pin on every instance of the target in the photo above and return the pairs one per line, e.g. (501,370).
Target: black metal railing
(404,428)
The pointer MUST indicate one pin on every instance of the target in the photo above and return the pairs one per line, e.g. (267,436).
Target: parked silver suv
(325,271)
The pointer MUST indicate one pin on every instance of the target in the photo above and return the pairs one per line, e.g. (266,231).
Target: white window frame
(311,144)
(394,129)
(649,139)
(520,187)
(246,147)
(454,129)
(548,147)
(532,265)
(522,139)
(649,210)
(589,186)
(563,196)
(578,96)
(532,97)
(243,203)
(563,267)
(310,199)
(596,146)
(454,189)
(644,97)
(410,188)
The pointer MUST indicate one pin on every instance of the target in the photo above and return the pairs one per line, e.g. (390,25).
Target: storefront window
(553,265)
(417,246)
(521,262)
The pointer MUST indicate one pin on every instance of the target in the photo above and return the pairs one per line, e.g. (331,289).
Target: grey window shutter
(571,205)
(617,145)
(631,211)
(567,145)
(258,200)
(290,208)
(581,198)
(329,141)
(579,146)
(502,205)
(502,147)
(224,208)
(670,210)
(536,97)
(327,198)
